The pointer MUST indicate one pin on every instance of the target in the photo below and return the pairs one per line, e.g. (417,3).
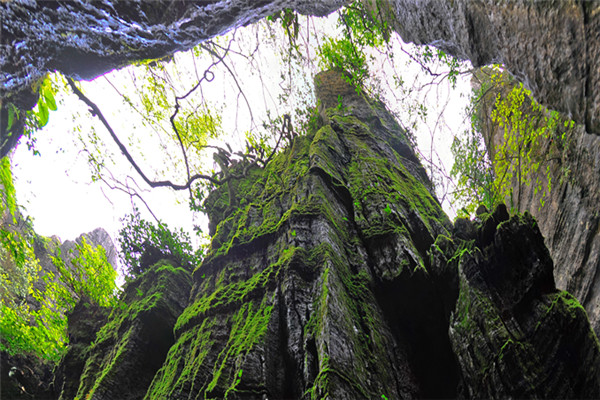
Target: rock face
(125,353)
(513,333)
(552,46)
(316,285)
(569,219)
(84,322)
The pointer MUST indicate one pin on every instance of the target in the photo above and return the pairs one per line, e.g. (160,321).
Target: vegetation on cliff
(34,300)
(332,270)
(506,148)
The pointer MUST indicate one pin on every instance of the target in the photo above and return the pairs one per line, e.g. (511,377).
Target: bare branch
(94,110)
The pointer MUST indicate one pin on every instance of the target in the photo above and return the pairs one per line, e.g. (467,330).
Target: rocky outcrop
(97,237)
(514,334)
(84,322)
(316,286)
(570,221)
(125,353)
(550,46)
(327,283)
(568,215)
(24,376)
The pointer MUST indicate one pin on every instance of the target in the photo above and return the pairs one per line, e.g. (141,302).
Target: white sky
(56,188)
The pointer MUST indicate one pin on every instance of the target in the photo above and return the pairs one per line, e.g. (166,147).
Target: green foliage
(362,29)
(289,21)
(473,170)
(140,239)
(426,55)
(531,137)
(8,202)
(33,302)
(91,275)
(37,117)
(527,126)
(34,322)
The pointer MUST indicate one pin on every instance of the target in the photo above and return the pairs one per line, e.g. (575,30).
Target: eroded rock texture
(84,322)
(514,334)
(568,215)
(551,46)
(126,352)
(315,285)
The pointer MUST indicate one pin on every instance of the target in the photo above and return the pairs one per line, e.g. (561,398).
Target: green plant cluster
(362,29)
(140,238)
(34,322)
(37,117)
(33,302)
(90,275)
(531,137)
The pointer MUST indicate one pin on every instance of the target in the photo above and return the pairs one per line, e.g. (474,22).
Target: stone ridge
(127,351)
(309,284)
(514,334)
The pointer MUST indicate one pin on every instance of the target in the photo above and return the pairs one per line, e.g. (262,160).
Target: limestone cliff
(339,276)
(568,218)
(552,46)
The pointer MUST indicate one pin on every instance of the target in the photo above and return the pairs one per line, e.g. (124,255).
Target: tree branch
(94,110)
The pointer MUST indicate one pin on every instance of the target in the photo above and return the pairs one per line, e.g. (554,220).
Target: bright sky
(56,188)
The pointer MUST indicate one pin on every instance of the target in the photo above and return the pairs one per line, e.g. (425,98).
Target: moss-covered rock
(129,349)
(287,303)
(514,334)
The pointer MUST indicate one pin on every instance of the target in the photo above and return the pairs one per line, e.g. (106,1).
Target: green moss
(249,326)
(141,296)
(235,293)
(352,185)
(563,303)
(183,362)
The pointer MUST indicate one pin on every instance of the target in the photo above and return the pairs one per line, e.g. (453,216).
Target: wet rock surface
(338,275)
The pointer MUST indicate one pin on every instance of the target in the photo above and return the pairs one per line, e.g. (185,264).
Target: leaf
(11,117)
(42,115)
(49,98)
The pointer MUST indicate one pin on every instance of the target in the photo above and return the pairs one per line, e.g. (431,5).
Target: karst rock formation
(337,274)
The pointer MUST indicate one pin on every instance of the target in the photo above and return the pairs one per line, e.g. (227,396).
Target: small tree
(143,243)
